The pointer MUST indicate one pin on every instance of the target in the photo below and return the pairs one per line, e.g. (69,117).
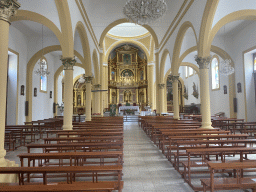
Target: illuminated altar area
(127,77)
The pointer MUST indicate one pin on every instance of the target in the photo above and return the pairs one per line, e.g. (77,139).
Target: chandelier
(144,11)
(225,65)
(43,70)
(226,68)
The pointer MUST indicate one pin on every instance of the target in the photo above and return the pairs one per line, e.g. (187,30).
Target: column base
(177,118)
(67,127)
(8,178)
(206,126)
(89,119)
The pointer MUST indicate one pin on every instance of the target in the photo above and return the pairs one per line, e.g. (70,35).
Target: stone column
(175,80)
(68,64)
(204,64)
(7,9)
(88,81)
(97,98)
(161,97)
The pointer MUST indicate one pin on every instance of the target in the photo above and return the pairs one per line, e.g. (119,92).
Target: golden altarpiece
(127,78)
(79,98)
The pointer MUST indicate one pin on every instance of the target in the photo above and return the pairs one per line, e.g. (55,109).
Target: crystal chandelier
(43,70)
(144,11)
(225,65)
(226,68)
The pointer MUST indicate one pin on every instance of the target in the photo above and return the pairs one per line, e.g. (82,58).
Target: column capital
(68,62)
(203,62)
(174,78)
(161,85)
(8,8)
(88,79)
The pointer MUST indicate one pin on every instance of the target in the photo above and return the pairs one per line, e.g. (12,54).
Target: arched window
(43,78)
(215,73)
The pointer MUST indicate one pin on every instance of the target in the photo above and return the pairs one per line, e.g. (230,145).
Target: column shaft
(68,100)
(175,99)
(88,100)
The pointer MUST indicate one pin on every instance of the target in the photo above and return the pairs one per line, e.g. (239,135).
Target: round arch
(86,47)
(30,68)
(96,66)
(238,15)
(117,22)
(178,43)
(125,41)
(162,63)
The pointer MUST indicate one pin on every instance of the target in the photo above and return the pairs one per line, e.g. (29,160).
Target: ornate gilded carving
(161,85)
(203,62)
(8,8)
(97,86)
(68,62)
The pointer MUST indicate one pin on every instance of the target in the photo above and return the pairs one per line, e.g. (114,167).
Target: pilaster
(88,82)
(175,80)
(161,87)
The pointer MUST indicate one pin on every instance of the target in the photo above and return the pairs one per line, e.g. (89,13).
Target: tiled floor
(145,169)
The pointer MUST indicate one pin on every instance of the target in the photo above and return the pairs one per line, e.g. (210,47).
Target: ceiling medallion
(144,11)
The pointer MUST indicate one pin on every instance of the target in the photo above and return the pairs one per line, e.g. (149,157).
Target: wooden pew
(75,158)
(77,146)
(75,187)
(222,183)
(71,172)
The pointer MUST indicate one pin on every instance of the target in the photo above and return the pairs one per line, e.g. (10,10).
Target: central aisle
(145,167)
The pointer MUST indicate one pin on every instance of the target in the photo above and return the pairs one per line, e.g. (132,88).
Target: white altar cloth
(137,108)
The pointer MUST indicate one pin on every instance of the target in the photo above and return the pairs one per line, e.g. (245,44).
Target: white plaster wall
(18,43)
(77,44)
(42,105)
(188,41)
(12,89)
(167,64)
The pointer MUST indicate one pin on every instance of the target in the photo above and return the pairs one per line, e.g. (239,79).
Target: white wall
(42,105)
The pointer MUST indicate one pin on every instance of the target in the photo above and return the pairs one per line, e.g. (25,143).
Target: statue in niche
(127,96)
(79,100)
(141,75)
(127,59)
(112,75)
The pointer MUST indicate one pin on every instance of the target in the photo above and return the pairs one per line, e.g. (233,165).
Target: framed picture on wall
(225,89)
(22,89)
(50,94)
(35,92)
(239,88)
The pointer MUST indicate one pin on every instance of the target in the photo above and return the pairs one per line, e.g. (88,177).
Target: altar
(132,108)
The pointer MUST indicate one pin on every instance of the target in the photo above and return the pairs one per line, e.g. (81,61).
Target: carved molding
(203,62)
(68,62)
(161,85)
(8,8)
(97,86)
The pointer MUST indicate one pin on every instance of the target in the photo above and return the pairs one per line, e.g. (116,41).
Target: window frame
(43,91)
(218,60)
(253,62)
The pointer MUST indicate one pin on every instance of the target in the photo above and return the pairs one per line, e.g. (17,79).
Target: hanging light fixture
(43,70)
(144,11)
(225,65)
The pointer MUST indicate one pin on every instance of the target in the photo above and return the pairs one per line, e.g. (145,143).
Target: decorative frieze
(8,8)
(68,62)
(203,62)
(161,85)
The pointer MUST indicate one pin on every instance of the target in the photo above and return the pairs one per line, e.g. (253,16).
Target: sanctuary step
(131,118)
